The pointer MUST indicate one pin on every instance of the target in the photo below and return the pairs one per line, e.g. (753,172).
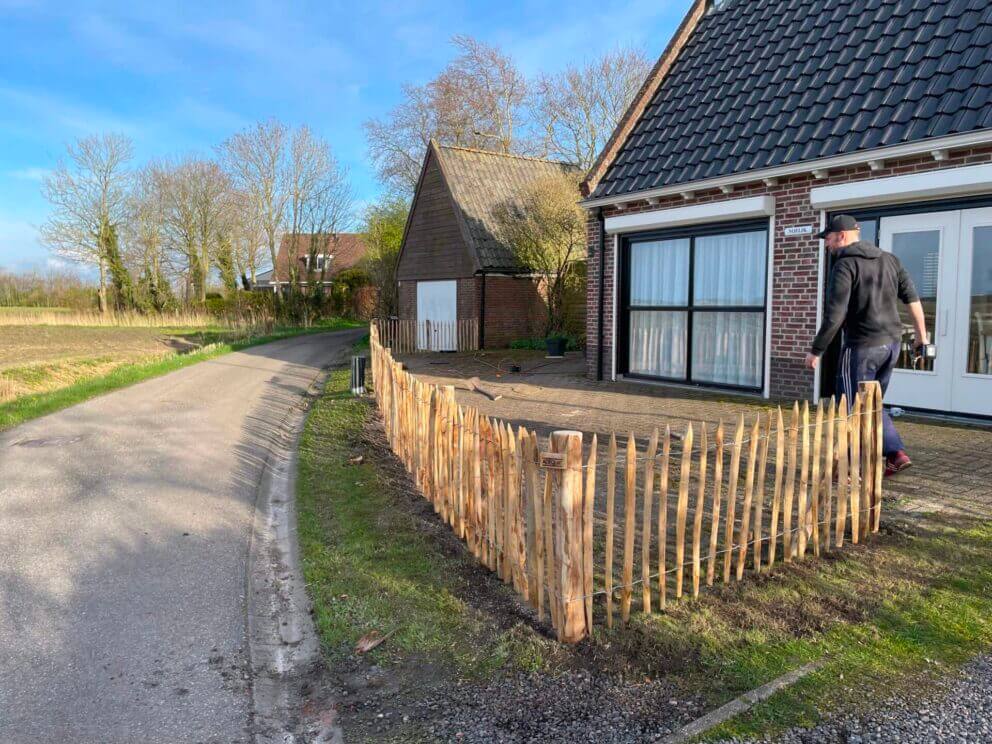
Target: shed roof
(764,83)
(479,181)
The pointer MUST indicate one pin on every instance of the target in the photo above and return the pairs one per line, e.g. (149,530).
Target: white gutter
(934,145)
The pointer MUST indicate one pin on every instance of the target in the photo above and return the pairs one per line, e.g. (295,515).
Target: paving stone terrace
(952,459)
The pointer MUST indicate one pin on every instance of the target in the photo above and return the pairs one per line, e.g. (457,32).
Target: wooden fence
(410,336)
(565,525)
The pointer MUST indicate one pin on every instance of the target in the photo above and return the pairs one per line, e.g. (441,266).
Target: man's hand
(811,361)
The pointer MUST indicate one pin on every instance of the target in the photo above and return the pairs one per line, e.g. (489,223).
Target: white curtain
(657,343)
(730,269)
(727,348)
(659,273)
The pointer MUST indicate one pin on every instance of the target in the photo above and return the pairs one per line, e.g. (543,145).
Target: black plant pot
(556,346)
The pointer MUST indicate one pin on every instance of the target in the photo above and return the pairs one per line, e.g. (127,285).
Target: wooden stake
(790,487)
(752,462)
(828,474)
(685,473)
(855,473)
(759,499)
(646,523)
(735,470)
(697,522)
(715,516)
(879,459)
(814,521)
(777,495)
(550,569)
(588,523)
(666,453)
(611,489)
(568,538)
(842,484)
(630,525)
(803,482)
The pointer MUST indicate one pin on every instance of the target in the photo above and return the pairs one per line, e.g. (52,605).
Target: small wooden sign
(553,460)
(798,230)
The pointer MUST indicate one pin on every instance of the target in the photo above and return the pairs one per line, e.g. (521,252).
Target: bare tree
(194,194)
(145,238)
(248,241)
(545,228)
(478,100)
(89,196)
(580,107)
(255,162)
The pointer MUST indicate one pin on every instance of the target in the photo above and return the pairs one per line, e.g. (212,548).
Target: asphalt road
(124,540)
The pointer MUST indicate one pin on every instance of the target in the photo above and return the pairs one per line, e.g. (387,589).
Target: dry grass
(18,316)
(25,346)
(44,378)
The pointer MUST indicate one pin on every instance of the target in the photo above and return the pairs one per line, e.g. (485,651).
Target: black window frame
(625,308)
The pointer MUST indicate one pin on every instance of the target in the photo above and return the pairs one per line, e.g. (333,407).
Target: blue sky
(180,77)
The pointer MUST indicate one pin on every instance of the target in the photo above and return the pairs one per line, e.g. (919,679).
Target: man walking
(866,284)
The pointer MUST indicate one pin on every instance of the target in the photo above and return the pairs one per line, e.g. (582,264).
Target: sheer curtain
(728,347)
(659,275)
(730,269)
(657,343)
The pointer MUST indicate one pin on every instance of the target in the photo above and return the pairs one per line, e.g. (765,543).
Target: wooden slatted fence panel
(534,521)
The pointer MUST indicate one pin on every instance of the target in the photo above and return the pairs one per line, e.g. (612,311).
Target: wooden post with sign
(569,537)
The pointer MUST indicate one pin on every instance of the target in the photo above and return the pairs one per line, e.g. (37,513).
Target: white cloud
(29,174)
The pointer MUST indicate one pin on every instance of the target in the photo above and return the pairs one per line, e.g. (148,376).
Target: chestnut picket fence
(588,530)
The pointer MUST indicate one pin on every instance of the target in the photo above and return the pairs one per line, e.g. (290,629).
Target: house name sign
(798,230)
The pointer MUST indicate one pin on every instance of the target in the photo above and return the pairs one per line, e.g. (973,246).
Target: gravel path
(959,710)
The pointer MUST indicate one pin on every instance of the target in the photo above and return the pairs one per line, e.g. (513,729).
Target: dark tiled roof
(480,181)
(763,83)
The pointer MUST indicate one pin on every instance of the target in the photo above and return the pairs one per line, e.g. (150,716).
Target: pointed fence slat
(735,469)
(666,454)
(629,528)
(685,471)
(697,522)
(715,510)
(611,496)
(646,523)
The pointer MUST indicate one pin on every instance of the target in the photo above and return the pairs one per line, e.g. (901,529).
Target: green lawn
(374,559)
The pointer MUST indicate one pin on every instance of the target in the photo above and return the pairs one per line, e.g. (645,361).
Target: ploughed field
(42,358)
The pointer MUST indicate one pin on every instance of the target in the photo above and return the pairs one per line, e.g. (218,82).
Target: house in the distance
(762,119)
(333,253)
(453,265)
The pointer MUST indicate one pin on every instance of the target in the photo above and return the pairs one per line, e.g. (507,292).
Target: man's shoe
(896,463)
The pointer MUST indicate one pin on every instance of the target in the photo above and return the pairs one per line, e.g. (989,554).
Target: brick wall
(794,285)
(514,310)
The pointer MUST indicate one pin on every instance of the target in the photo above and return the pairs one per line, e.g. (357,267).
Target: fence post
(569,537)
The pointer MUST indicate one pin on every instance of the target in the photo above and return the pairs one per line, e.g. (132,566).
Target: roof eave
(932,145)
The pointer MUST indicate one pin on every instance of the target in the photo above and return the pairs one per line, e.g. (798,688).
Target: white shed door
(437,315)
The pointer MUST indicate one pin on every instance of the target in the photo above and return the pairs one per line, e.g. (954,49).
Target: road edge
(283,646)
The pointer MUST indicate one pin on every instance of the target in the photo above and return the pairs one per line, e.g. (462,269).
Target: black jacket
(866,285)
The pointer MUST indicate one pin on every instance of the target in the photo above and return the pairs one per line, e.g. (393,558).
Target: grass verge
(375,559)
(887,618)
(27,407)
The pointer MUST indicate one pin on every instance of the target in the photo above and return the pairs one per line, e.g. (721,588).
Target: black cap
(838,223)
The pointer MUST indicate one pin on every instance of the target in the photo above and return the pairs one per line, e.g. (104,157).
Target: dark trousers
(867,364)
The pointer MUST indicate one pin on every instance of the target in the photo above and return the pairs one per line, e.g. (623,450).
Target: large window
(693,306)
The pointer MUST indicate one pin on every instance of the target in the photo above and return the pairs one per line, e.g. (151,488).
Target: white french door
(971,327)
(437,314)
(949,256)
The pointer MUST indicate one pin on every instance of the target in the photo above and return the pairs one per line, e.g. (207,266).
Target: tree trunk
(101,293)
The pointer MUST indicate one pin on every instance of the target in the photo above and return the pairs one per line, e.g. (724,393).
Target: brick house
(452,263)
(760,120)
(332,253)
